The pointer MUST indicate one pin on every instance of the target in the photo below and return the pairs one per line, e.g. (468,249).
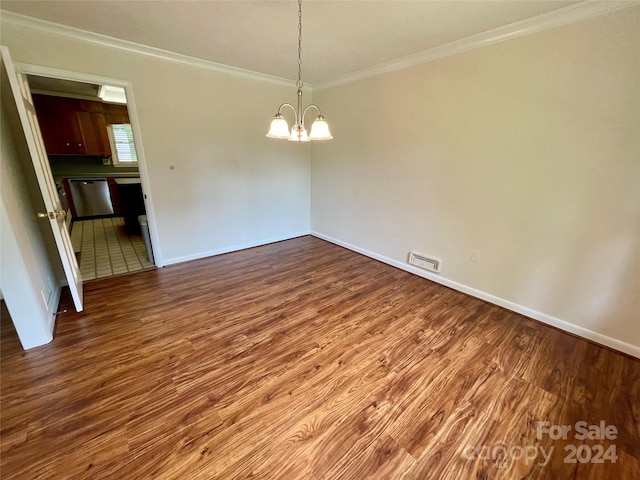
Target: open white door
(55,215)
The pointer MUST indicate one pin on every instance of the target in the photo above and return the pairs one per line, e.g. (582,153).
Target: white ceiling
(339,37)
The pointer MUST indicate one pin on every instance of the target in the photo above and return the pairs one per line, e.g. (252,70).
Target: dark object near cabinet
(76,127)
(68,198)
(131,203)
(115,199)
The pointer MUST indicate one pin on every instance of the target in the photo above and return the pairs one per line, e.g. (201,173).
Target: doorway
(119,237)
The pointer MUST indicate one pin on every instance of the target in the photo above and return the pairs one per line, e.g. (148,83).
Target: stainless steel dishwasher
(91,197)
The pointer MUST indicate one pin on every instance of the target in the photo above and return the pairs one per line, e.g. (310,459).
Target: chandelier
(279,126)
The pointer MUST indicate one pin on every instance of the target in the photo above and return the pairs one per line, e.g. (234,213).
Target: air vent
(423,261)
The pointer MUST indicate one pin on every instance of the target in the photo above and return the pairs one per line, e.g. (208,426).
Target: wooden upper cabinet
(57,118)
(72,127)
(94,133)
(114,113)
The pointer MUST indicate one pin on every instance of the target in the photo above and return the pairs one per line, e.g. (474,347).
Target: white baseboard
(47,336)
(233,248)
(53,308)
(534,314)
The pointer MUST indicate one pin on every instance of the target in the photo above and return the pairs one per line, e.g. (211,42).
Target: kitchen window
(123,148)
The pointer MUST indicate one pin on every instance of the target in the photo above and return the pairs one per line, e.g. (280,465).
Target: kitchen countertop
(87,166)
(94,175)
(127,181)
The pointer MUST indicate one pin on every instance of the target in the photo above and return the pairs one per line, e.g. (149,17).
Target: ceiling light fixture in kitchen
(112,94)
(279,126)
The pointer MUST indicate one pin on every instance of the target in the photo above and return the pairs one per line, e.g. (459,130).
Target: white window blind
(123,149)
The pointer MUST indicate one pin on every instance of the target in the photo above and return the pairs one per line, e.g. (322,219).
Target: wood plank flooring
(303,360)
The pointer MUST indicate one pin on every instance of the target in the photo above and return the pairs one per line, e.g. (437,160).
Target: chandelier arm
(290,106)
(308,107)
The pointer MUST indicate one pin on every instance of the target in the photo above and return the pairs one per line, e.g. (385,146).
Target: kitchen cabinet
(72,127)
(93,128)
(114,113)
(60,129)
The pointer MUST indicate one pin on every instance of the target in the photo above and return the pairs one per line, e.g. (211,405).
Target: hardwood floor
(303,360)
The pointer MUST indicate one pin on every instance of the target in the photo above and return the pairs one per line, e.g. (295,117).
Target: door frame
(57,73)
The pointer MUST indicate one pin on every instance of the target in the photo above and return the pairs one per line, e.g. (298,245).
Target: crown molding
(546,21)
(539,23)
(134,48)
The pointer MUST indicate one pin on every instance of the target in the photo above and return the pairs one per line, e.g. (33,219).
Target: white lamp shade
(298,134)
(279,128)
(320,130)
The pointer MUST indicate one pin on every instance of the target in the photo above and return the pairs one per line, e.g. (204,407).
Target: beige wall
(230,186)
(527,151)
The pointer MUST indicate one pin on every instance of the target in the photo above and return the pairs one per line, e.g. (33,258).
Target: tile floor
(105,249)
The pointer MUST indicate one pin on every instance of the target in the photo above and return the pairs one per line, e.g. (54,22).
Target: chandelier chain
(299,82)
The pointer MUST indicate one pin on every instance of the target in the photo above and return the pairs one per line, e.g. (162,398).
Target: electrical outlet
(475,256)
